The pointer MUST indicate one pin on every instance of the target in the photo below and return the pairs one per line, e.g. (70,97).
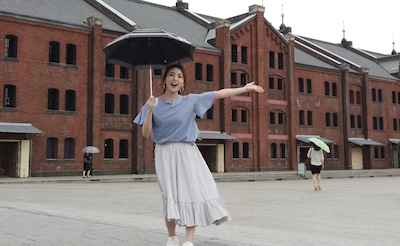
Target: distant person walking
(87,165)
(316,155)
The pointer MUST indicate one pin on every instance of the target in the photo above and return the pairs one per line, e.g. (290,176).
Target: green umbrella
(320,144)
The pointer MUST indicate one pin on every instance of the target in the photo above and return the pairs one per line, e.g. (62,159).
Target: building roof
(150,15)
(63,12)
(342,54)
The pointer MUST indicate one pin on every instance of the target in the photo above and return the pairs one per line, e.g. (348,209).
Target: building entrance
(8,159)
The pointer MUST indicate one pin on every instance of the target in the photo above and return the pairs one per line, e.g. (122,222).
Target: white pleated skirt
(189,192)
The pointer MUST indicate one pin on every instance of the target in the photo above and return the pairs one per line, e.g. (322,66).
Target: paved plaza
(348,211)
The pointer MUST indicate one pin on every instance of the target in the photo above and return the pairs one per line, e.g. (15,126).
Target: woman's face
(174,80)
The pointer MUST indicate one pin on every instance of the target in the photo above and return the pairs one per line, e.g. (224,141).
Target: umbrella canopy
(320,144)
(91,149)
(148,48)
(153,47)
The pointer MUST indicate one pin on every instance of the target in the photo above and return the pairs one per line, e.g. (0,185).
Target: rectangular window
(301,117)
(210,72)
(352,121)
(373,94)
(235,150)
(69,147)
(398,97)
(272,59)
(280,118)
(379,95)
(301,85)
(123,148)
(9,96)
(243,79)
(234,52)
(280,61)
(233,78)
(51,148)
(359,122)
(54,52)
(234,115)
(244,115)
(124,104)
(157,72)
(109,148)
(124,72)
(351,95)
(393,97)
(52,99)
(11,46)
(375,123)
(273,150)
(210,113)
(244,54)
(334,89)
(280,84)
(309,86)
(70,100)
(309,118)
(198,71)
(71,54)
(381,127)
(246,150)
(335,120)
(271,83)
(327,119)
(327,86)
(110,70)
(272,118)
(109,103)
(283,150)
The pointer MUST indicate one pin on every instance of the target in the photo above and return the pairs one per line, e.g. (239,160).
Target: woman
(189,192)
(316,165)
(87,165)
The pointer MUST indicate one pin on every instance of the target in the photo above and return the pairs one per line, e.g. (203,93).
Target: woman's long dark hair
(317,148)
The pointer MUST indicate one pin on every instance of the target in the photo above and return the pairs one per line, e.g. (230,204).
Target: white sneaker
(187,244)
(173,241)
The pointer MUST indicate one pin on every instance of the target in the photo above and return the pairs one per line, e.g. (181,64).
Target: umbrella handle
(151,82)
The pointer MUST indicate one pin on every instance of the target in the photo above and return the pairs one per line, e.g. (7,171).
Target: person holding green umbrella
(316,155)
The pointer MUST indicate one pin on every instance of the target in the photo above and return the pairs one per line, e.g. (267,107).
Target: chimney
(181,5)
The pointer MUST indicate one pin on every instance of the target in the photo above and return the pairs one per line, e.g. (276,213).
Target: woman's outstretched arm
(224,93)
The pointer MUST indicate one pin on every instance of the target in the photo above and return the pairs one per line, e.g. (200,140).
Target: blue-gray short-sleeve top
(176,121)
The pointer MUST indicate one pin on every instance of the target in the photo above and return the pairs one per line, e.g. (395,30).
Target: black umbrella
(148,48)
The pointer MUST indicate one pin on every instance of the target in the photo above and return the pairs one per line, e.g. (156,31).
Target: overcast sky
(370,25)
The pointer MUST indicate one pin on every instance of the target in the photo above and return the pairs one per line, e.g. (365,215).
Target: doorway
(357,158)
(8,159)
(210,156)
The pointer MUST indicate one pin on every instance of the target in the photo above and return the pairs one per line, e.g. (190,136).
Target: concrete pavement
(348,211)
(219,177)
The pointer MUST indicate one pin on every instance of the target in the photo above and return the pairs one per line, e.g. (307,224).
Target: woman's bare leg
(314,180)
(171,226)
(190,233)
(319,181)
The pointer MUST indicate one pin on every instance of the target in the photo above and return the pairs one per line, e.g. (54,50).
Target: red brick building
(59,94)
